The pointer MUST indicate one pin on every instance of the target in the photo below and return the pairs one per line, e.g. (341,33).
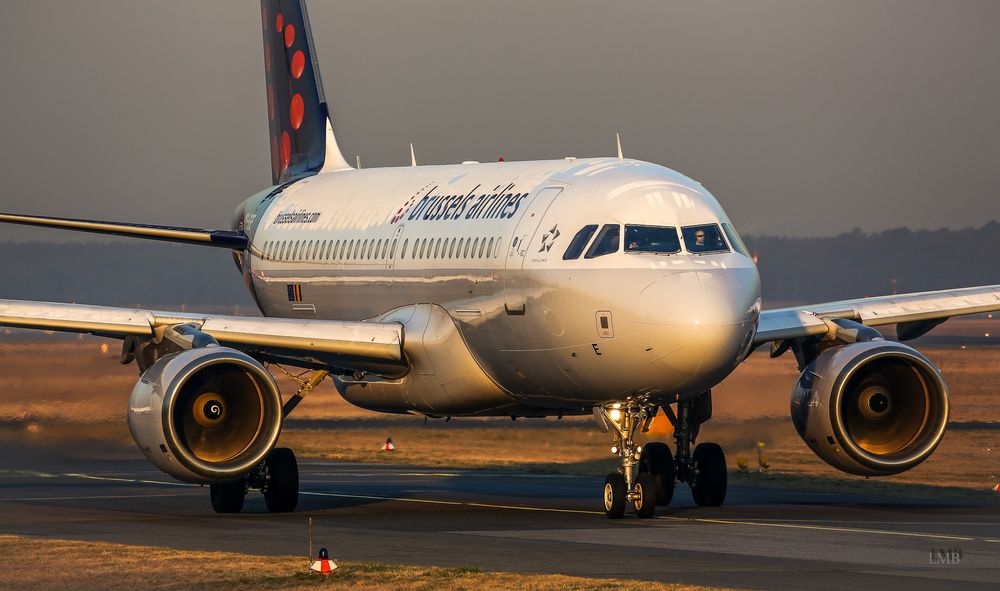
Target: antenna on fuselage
(357,158)
(413,157)
(618,140)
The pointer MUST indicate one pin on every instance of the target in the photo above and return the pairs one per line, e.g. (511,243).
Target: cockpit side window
(607,241)
(734,240)
(704,239)
(655,239)
(579,242)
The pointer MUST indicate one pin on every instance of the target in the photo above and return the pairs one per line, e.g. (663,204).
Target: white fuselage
(486,243)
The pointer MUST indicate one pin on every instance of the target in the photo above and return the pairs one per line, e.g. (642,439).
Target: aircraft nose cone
(694,324)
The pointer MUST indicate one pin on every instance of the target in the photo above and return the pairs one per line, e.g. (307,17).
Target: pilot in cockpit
(699,240)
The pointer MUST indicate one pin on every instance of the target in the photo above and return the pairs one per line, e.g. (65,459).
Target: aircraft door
(520,245)
(395,247)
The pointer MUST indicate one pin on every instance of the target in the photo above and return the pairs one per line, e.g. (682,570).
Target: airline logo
(497,204)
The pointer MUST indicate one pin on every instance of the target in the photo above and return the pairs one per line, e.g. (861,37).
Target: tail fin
(302,140)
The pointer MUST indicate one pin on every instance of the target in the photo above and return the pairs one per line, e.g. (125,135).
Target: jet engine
(871,408)
(205,415)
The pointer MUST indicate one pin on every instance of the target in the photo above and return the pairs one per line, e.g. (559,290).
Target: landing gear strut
(648,473)
(277,477)
(705,469)
(629,483)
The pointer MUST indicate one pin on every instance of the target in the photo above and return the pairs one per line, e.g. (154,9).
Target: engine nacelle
(871,408)
(205,415)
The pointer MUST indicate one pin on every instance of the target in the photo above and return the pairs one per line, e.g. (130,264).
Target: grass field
(76,391)
(58,564)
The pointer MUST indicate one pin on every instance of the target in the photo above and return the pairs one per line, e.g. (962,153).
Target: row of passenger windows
(702,239)
(372,249)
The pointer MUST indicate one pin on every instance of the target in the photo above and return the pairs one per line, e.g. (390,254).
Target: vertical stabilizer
(302,140)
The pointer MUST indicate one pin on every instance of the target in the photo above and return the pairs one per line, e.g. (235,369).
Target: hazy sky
(802,117)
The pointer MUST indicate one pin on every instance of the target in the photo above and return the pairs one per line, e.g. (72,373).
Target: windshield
(705,238)
(579,241)
(735,240)
(606,242)
(658,239)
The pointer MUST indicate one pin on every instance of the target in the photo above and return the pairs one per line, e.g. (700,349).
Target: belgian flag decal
(294,292)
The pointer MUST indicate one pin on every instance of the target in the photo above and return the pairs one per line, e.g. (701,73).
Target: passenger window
(489,251)
(703,239)
(579,242)
(402,252)
(656,239)
(423,247)
(371,247)
(437,247)
(465,249)
(449,246)
(392,249)
(475,247)
(607,242)
(734,240)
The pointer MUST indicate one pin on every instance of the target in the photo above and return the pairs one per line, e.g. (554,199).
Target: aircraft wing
(197,236)
(913,313)
(311,343)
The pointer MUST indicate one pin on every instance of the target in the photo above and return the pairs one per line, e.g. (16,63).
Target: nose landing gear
(648,473)
(628,484)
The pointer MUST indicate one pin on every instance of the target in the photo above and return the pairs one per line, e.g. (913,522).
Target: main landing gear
(277,477)
(648,473)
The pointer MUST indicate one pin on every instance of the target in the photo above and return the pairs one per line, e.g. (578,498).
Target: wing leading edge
(344,345)
(914,313)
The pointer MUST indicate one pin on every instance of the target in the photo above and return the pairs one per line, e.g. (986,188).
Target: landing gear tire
(644,498)
(228,497)
(615,493)
(711,478)
(282,492)
(657,460)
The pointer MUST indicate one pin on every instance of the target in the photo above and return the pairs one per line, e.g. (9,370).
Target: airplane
(606,286)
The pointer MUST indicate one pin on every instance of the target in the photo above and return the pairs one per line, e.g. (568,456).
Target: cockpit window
(734,240)
(579,242)
(658,239)
(607,241)
(702,239)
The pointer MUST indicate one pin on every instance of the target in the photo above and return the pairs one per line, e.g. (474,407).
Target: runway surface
(521,522)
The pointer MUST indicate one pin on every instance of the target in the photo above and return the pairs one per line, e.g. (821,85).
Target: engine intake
(205,415)
(871,408)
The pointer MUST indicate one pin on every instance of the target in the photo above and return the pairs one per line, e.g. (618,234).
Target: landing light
(615,414)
